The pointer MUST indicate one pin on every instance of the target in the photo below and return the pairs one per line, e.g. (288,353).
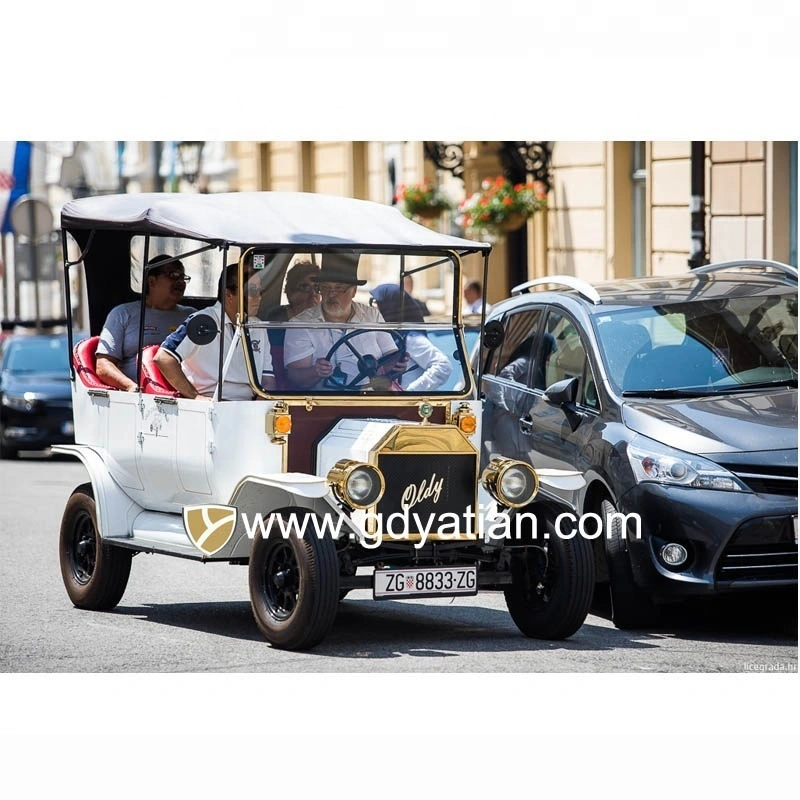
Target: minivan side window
(564,355)
(512,360)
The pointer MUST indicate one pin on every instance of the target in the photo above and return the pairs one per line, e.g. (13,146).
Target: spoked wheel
(281,582)
(95,573)
(294,588)
(552,586)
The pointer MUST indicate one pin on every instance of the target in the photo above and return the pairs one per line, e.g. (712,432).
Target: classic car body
(220,479)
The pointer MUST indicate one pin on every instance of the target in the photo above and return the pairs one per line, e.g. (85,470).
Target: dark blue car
(35,393)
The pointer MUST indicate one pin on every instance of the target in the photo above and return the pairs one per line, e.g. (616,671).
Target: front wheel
(95,573)
(294,588)
(552,586)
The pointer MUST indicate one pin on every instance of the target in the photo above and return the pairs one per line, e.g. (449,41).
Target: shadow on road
(754,616)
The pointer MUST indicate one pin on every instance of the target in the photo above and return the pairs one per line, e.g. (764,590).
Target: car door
(561,437)
(507,385)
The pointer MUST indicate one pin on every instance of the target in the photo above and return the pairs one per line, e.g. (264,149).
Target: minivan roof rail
(789,272)
(584,289)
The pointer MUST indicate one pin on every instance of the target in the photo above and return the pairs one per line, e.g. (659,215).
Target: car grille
(445,482)
(767,480)
(431,469)
(760,550)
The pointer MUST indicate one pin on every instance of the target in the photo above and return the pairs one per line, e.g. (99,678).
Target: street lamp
(191,156)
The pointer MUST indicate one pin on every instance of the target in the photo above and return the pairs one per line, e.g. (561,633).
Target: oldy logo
(209,527)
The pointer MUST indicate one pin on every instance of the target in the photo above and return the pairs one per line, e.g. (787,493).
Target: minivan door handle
(526,425)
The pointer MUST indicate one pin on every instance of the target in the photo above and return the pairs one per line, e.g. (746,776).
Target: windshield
(356,322)
(702,347)
(38,355)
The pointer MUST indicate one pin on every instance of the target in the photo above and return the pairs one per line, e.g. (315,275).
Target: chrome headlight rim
(494,474)
(339,477)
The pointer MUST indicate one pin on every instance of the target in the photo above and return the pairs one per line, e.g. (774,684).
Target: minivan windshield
(702,346)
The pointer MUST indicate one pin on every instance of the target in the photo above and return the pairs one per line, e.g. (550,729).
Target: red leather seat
(153,381)
(84,359)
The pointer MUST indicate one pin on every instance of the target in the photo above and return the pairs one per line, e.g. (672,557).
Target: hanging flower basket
(423,201)
(428,212)
(501,207)
(513,223)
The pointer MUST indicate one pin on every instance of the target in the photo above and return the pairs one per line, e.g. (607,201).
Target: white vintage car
(369,477)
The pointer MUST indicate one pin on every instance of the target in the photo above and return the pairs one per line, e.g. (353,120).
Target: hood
(45,385)
(733,423)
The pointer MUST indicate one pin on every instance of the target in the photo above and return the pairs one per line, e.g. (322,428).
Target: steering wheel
(368,365)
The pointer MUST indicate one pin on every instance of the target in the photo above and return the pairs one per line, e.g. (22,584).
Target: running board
(159,532)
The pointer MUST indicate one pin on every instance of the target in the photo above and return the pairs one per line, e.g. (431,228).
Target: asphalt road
(182,616)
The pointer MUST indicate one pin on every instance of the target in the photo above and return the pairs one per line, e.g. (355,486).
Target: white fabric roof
(260,218)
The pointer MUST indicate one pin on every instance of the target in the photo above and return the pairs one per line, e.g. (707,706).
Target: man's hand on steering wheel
(392,365)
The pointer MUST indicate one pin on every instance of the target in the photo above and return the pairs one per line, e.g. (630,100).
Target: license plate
(424,582)
(68,428)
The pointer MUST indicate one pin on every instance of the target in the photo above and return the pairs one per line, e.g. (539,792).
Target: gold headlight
(355,483)
(512,483)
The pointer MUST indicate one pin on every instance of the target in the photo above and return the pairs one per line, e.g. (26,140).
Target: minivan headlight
(654,462)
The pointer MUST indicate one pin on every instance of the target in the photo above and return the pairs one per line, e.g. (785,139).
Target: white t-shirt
(300,342)
(200,363)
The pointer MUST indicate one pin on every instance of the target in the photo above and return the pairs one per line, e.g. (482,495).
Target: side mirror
(493,334)
(202,329)
(563,392)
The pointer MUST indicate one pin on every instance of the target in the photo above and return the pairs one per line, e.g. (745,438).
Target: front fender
(264,494)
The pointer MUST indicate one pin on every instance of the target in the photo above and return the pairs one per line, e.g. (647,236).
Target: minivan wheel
(552,586)
(95,573)
(630,606)
(294,588)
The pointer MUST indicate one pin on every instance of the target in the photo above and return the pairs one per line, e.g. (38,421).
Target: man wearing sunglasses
(305,348)
(119,339)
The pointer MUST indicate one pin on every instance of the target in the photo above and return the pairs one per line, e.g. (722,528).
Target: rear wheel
(630,606)
(95,573)
(294,588)
(5,450)
(552,586)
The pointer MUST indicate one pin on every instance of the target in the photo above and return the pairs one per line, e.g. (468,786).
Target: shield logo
(209,527)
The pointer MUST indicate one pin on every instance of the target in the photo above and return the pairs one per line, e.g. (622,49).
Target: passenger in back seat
(119,339)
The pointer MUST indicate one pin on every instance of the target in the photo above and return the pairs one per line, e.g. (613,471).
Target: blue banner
(21,173)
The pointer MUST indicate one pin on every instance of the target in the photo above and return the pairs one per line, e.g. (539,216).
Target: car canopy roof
(283,219)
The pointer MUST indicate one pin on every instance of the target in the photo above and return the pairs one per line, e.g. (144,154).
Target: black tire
(631,607)
(552,589)
(7,452)
(294,588)
(95,573)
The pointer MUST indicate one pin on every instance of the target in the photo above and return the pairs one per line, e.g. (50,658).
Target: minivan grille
(772,562)
(761,550)
(767,480)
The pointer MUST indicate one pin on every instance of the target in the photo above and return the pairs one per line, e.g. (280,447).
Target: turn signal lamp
(279,421)
(466,420)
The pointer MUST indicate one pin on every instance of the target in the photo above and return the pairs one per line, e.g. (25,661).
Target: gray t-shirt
(120,335)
